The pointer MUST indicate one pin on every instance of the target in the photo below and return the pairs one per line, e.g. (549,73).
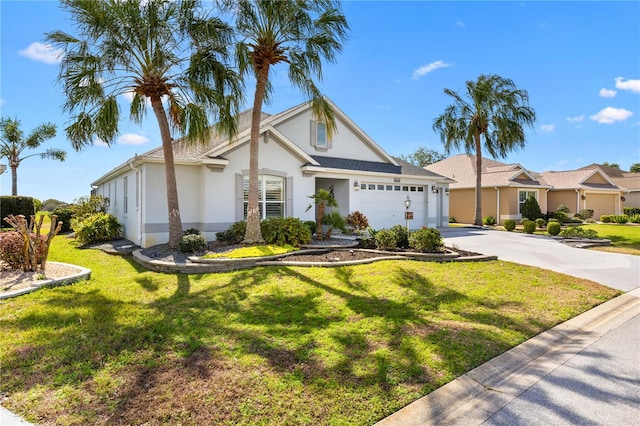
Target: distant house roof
(623,179)
(462,169)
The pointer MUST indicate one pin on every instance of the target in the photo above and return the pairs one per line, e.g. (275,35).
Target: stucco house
(628,182)
(296,159)
(505,187)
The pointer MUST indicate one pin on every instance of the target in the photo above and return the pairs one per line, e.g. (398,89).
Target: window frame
(263,201)
(528,194)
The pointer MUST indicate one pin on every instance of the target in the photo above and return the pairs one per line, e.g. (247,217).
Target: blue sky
(579,61)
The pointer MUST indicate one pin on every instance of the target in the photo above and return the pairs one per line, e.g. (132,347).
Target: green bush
(634,218)
(590,220)
(621,218)
(87,206)
(585,214)
(233,235)
(37,205)
(357,221)
(11,248)
(531,209)
(311,225)
(402,237)
(334,220)
(489,221)
(192,243)
(529,226)
(562,209)
(553,219)
(606,218)
(631,211)
(426,240)
(16,206)
(51,204)
(192,231)
(65,214)
(452,219)
(578,232)
(540,222)
(553,228)
(386,239)
(96,228)
(509,224)
(562,217)
(281,231)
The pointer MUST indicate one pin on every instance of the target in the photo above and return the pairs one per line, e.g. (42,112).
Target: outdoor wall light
(356,185)
(434,189)
(584,197)
(407,203)
(623,199)
(446,191)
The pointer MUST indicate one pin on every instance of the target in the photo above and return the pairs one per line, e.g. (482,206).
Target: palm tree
(168,53)
(495,111)
(13,143)
(300,33)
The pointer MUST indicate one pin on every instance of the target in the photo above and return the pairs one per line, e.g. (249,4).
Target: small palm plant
(322,199)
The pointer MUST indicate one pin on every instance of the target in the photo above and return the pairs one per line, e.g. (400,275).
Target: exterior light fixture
(356,185)
(407,204)
(584,197)
(434,189)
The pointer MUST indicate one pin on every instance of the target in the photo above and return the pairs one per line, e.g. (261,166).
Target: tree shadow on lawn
(184,342)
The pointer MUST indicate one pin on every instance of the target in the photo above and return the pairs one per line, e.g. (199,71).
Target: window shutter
(239,198)
(289,197)
(313,132)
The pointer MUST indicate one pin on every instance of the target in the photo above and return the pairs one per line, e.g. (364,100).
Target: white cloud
(99,142)
(633,85)
(610,115)
(459,24)
(576,119)
(607,93)
(426,69)
(42,53)
(548,127)
(132,139)
(2,101)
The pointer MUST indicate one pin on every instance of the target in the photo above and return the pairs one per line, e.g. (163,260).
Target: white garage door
(383,204)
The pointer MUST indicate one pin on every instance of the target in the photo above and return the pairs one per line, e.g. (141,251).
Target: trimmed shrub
(312,225)
(540,222)
(357,221)
(578,232)
(606,218)
(531,209)
(51,204)
(192,231)
(529,226)
(509,224)
(11,248)
(634,218)
(621,218)
(65,214)
(562,217)
(233,235)
(590,220)
(553,219)
(452,219)
(281,231)
(402,237)
(426,240)
(553,228)
(631,211)
(96,228)
(87,206)
(489,221)
(562,209)
(386,239)
(585,214)
(192,243)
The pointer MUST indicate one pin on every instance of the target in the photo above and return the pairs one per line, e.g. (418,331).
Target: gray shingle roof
(349,164)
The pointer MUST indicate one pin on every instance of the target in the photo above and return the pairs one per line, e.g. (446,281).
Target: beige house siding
(632,199)
(461,205)
(566,197)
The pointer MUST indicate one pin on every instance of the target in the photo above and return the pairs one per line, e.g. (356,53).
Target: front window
(321,135)
(271,193)
(524,196)
(126,195)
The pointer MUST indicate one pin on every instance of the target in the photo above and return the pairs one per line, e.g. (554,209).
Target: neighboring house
(505,187)
(296,159)
(628,182)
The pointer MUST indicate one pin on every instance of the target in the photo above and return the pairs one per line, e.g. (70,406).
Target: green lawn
(624,238)
(272,345)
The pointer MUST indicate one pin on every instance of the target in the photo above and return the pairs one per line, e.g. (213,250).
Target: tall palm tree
(494,111)
(13,143)
(168,53)
(299,33)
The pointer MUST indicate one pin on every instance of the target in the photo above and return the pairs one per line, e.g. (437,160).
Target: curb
(474,397)
(83,274)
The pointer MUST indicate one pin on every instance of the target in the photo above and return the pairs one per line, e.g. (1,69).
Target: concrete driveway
(618,271)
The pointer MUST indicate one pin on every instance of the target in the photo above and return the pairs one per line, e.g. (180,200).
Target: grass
(272,345)
(624,238)
(254,251)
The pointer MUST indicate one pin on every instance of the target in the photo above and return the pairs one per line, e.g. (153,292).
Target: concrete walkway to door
(615,270)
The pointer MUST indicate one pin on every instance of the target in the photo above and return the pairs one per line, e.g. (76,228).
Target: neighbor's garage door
(383,204)
(601,204)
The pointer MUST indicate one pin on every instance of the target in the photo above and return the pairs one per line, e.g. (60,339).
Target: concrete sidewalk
(584,371)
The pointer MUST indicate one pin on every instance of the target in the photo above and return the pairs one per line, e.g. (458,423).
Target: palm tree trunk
(14,179)
(253,233)
(478,215)
(175,224)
